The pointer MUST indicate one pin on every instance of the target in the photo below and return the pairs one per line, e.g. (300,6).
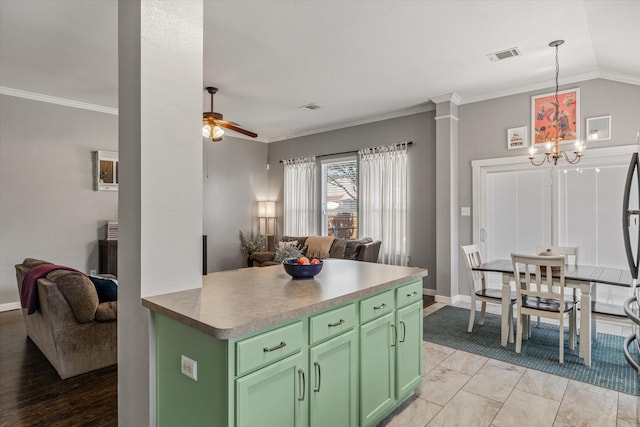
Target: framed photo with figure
(517,138)
(543,110)
(599,128)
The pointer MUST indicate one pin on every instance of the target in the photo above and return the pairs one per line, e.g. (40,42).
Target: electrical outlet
(92,272)
(189,368)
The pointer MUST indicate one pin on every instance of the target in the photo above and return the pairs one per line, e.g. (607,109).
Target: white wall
(48,208)
(235,178)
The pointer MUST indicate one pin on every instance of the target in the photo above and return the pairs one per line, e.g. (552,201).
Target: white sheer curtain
(383,200)
(299,197)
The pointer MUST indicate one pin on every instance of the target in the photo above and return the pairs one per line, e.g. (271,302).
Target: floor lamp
(267,223)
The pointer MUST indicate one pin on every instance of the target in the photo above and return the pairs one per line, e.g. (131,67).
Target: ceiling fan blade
(228,125)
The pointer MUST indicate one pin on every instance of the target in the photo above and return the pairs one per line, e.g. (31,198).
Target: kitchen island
(254,347)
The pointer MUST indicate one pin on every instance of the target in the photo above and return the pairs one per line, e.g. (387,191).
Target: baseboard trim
(431,292)
(10,306)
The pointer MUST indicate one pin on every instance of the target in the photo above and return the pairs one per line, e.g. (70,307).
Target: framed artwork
(543,111)
(599,128)
(105,171)
(517,138)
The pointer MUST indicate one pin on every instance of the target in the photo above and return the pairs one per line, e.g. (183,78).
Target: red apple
(315,261)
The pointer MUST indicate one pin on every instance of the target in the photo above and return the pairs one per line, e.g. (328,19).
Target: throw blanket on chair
(318,246)
(29,291)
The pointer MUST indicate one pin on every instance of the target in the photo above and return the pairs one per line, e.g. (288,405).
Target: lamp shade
(267,209)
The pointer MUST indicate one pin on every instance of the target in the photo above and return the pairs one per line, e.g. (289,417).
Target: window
(340,197)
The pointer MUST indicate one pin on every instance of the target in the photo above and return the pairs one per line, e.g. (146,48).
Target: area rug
(609,368)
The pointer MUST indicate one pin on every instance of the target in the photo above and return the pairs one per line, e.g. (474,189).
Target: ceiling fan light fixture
(216,133)
(206,130)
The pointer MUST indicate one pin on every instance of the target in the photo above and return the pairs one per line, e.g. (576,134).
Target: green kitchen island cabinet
(253,347)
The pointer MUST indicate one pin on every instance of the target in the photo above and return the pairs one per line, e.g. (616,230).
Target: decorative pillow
(338,248)
(107,289)
(107,311)
(79,292)
(282,244)
(352,248)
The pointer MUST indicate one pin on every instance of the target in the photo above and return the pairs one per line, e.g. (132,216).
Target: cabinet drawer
(269,347)
(408,294)
(376,306)
(332,323)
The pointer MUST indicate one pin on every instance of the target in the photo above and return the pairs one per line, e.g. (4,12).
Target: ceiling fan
(212,122)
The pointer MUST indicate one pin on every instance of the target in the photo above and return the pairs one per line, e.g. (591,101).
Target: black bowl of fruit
(302,268)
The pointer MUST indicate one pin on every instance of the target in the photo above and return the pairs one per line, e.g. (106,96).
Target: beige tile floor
(464,389)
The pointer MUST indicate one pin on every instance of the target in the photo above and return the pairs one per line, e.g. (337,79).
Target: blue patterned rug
(609,368)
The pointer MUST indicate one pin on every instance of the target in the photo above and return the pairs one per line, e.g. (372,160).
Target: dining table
(581,277)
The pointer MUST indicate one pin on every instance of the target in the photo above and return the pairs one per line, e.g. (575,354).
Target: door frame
(481,168)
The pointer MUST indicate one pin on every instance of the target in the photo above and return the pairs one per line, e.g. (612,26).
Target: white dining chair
(478,290)
(541,294)
(570,254)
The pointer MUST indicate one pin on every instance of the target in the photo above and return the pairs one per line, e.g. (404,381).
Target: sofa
(74,330)
(365,249)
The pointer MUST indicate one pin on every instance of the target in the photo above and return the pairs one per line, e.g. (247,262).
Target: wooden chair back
(536,273)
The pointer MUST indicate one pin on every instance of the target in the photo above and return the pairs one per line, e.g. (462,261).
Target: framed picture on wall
(599,128)
(105,171)
(517,138)
(543,109)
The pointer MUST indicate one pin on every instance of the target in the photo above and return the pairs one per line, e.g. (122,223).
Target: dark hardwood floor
(427,300)
(32,393)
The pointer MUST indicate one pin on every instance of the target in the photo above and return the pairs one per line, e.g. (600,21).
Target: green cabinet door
(274,396)
(377,368)
(409,349)
(333,385)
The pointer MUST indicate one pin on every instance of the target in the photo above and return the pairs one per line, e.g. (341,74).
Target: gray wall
(419,128)
(234,179)
(48,208)
(483,129)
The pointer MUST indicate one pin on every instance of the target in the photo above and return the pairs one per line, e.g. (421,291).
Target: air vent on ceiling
(311,106)
(504,54)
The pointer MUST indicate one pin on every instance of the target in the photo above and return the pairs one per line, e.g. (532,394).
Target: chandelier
(552,149)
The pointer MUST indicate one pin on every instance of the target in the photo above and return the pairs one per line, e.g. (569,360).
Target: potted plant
(252,243)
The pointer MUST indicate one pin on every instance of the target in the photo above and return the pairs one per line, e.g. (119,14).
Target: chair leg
(561,339)
(572,329)
(472,314)
(511,323)
(483,308)
(519,333)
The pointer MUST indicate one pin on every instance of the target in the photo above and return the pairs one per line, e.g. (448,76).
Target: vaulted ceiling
(359,60)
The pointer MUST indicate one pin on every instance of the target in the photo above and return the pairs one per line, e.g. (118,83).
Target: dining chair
(570,254)
(542,294)
(479,291)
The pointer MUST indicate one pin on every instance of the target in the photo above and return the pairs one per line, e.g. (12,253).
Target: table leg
(585,323)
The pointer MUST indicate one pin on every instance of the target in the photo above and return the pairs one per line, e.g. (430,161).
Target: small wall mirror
(599,128)
(106,171)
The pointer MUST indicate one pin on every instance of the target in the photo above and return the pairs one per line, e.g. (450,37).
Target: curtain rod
(409,144)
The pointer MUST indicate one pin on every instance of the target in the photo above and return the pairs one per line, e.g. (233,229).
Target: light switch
(465,211)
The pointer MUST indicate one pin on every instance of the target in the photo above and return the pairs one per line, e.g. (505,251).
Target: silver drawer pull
(316,365)
(412,294)
(383,305)
(267,349)
(303,384)
(331,325)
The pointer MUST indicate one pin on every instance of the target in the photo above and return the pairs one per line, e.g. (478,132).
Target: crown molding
(530,87)
(55,100)
(423,108)
(449,97)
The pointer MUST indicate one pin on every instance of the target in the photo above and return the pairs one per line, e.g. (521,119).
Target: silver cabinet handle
(383,305)
(412,294)
(267,349)
(395,335)
(404,330)
(316,366)
(303,384)
(331,325)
